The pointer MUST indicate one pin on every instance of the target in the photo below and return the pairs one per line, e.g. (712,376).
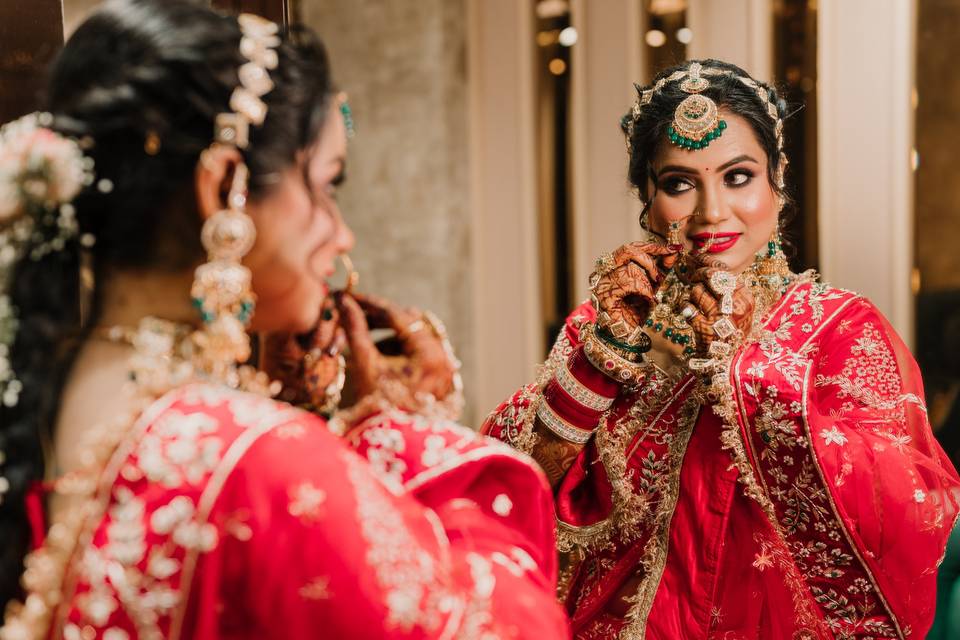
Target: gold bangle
(580,392)
(560,427)
(606,359)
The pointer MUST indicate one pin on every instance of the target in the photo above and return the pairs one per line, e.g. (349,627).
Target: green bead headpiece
(696,121)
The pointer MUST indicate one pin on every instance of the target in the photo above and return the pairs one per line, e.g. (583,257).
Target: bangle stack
(575,399)
(587,397)
(560,427)
(622,362)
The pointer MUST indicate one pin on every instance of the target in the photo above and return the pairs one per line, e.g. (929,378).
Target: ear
(214,174)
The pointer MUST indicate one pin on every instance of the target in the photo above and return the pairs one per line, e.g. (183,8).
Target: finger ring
(604,265)
(416,325)
(639,338)
(689,312)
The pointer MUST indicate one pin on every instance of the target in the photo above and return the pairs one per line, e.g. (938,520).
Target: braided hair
(142,80)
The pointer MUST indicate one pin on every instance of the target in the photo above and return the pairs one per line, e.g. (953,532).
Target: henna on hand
(308,362)
(707,302)
(627,292)
(554,455)
(423,368)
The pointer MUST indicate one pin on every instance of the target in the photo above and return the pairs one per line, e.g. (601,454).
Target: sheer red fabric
(230,516)
(822,512)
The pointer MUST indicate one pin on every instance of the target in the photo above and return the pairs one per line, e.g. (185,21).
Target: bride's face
(728,185)
(300,234)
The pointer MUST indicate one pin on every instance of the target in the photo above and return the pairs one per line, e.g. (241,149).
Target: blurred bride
(162,491)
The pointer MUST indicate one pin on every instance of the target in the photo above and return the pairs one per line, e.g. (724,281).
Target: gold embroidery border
(592,536)
(833,505)
(215,483)
(108,478)
(657,549)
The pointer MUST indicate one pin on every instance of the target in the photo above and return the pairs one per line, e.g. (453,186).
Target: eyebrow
(726,165)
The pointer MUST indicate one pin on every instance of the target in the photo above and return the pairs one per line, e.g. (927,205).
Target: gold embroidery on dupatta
(655,552)
(647,409)
(731,410)
(211,492)
(803,494)
(306,502)
(838,605)
(447,446)
(405,571)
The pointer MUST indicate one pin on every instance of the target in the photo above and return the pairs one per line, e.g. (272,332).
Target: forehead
(737,139)
(333,136)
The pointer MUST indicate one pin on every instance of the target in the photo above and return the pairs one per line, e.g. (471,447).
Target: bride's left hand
(706,300)
(308,364)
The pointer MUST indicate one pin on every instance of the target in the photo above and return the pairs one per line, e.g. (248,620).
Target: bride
(180,191)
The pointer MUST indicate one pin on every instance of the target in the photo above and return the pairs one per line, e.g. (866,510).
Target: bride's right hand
(625,282)
(421,370)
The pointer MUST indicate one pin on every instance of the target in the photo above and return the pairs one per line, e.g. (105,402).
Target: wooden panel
(31,33)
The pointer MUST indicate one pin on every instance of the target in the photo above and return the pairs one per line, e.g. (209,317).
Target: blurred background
(489,171)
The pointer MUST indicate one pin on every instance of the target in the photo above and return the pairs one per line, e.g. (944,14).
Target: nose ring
(353,278)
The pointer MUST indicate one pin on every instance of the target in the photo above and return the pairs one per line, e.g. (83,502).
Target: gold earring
(674,239)
(353,277)
(222,287)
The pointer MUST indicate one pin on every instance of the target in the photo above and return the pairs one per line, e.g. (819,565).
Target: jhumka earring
(347,113)
(221,288)
(696,121)
(771,265)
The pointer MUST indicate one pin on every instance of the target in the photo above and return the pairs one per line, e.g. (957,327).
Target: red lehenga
(226,515)
(820,509)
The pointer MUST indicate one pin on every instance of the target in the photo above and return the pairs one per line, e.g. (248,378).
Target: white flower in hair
(39,168)
(41,172)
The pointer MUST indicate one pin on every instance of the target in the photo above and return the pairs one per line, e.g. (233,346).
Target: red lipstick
(715,242)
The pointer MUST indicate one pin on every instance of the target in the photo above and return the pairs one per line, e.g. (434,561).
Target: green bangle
(637,349)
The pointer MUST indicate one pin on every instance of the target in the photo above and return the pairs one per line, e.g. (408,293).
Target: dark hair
(646,132)
(135,73)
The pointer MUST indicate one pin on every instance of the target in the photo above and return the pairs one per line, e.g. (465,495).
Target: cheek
(756,208)
(287,272)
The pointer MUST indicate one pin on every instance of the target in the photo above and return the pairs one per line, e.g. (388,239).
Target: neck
(128,296)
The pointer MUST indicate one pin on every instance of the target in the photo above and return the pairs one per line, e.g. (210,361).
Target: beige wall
(403,65)
(74,12)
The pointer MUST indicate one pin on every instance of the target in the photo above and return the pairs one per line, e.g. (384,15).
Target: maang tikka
(696,120)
